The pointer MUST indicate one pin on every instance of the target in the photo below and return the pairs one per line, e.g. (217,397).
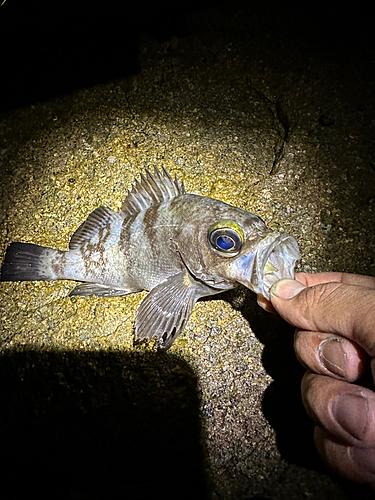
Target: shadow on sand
(100,425)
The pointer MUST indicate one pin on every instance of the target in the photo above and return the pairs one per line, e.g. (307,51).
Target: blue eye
(225,243)
(227,240)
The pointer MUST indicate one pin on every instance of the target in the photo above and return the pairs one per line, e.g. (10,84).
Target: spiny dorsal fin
(151,189)
(98,219)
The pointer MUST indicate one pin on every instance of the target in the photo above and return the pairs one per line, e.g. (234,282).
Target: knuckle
(326,293)
(322,298)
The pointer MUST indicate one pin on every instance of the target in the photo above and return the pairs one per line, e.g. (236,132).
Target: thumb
(346,310)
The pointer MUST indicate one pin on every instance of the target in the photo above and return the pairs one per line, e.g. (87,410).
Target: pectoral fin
(99,290)
(165,311)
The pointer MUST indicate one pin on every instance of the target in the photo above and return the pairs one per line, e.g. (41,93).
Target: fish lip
(280,251)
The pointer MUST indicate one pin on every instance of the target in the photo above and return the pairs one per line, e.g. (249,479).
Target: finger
(265,304)
(346,310)
(316,279)
(355,463)
(328,354)
(345,411)
(345,278)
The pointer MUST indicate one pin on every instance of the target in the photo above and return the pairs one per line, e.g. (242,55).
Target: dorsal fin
(99,218)
(151,189)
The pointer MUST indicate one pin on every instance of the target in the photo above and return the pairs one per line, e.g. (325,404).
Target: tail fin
(26,262)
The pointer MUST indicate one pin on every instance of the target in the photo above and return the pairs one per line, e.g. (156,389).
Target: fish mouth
(275,259)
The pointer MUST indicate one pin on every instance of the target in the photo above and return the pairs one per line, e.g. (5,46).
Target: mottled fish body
(178,246)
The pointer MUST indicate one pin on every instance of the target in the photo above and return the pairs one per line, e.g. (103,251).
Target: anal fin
(86,289)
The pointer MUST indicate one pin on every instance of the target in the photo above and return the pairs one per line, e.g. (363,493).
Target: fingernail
(351,412)
(261,300)
(286,289)
(332,356)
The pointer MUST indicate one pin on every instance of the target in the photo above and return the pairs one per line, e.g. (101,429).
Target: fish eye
(226,237)
(225,242)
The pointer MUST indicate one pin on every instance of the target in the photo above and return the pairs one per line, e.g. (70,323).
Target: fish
(178,246)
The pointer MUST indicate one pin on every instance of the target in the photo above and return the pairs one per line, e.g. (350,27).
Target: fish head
(272,258)
(232,246)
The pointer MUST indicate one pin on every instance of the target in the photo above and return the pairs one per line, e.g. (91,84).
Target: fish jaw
(274,259)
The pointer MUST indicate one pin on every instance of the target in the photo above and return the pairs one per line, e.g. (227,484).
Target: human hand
(335,338)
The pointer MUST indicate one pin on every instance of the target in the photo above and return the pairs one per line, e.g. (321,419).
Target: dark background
(51,48)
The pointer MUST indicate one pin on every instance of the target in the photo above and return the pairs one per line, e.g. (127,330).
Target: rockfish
(178,246)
